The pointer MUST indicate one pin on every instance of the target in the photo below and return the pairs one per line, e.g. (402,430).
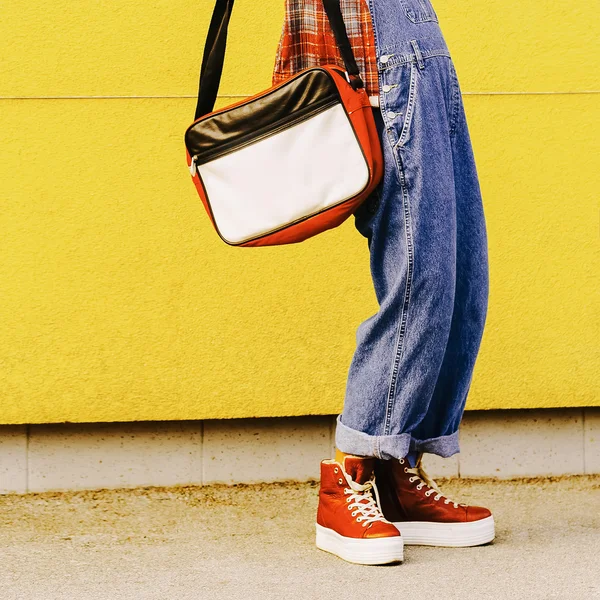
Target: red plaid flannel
(308,41)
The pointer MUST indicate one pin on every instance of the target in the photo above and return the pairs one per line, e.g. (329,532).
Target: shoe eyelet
(348,499)
(401,461)
(364,524)
(336,470)
(340,481)
(349,508)
(354,514)
(405,469)
(358,519)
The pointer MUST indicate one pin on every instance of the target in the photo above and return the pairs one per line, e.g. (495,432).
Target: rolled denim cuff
(444,446)
(389,447)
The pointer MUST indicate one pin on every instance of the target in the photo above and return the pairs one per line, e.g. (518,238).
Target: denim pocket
(419,11)
(399,95)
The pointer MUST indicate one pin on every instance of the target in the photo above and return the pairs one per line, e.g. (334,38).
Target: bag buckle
(355,81)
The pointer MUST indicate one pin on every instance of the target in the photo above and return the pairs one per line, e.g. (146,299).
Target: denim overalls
(412,369)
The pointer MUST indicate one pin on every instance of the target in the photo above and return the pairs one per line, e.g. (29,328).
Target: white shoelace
(418,473)
(361,501)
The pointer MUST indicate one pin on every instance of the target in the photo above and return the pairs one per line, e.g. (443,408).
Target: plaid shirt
(308,41)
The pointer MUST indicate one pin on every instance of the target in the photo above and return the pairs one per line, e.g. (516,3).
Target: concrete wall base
(502,444)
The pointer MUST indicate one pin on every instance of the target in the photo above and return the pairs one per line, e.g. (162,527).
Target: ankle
(340,456)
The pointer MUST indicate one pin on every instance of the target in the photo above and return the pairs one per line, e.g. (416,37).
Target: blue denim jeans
(412,368)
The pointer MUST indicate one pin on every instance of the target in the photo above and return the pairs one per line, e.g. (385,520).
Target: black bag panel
(299,98)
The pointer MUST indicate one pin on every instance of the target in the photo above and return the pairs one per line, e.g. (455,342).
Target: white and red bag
(290,162)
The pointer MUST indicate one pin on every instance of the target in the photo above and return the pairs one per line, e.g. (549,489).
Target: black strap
(216,43)
(336,20)
(213,58)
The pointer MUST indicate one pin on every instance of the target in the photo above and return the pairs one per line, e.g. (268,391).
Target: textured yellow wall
(118,300)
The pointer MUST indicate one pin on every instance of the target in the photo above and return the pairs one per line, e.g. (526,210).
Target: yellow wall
(119,302)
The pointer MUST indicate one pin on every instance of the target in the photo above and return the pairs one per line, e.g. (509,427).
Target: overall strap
(216,43)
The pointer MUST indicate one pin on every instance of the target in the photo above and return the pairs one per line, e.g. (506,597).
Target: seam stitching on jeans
(405,305)
(455,100)
(410,108)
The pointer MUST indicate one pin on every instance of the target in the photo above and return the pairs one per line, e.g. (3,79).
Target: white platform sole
(457,535)
(376,551)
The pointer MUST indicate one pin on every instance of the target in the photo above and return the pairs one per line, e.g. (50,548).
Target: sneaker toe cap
(476,513)
(381,530)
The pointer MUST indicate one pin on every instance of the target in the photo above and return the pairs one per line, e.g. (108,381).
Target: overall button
(386,88)
(384,58)
(390,114)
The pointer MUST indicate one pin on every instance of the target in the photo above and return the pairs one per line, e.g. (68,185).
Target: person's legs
(408,496)
(412,241)
(414,359)
(413,364)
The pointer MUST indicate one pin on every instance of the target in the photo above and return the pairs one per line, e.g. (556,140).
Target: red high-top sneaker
(349,521)
(425,517)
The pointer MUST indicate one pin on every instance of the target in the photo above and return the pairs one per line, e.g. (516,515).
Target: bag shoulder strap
(336,21)
(216,43)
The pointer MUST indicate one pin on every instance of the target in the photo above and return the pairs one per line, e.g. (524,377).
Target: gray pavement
(258,542)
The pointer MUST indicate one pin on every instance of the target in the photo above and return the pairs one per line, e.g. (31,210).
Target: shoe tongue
(360,469)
